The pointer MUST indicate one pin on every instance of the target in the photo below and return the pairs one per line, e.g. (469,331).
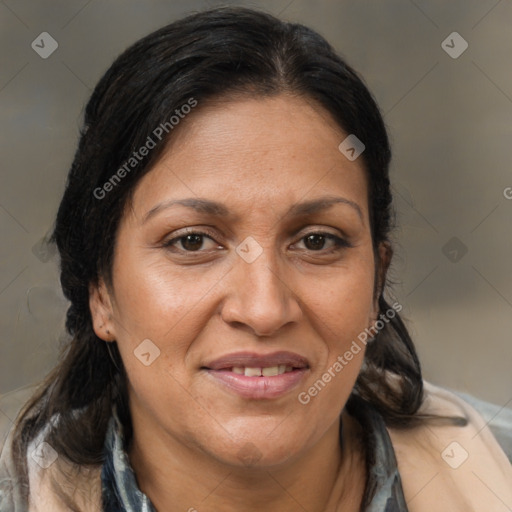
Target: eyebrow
(216,209)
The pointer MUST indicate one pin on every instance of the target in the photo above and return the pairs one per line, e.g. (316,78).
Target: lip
(259,388)
(254,360)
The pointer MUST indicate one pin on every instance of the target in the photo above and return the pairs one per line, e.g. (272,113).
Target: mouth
(269,371)
(258,376)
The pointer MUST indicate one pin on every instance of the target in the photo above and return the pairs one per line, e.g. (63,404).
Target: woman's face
(283,280)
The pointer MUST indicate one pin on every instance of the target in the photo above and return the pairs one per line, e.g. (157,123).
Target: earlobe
(100,306)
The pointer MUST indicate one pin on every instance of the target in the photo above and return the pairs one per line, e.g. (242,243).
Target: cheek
(343,304)
(341,320)
(160,311)
(342,309)
(153,300)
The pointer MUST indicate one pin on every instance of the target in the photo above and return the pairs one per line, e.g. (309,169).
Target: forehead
(256,152)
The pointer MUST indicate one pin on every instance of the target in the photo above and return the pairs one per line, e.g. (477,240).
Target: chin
(258,450)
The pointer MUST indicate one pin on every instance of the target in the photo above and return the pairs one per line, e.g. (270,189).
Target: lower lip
(259,387)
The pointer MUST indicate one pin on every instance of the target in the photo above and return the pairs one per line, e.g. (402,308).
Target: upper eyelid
(206,232)
(203,232)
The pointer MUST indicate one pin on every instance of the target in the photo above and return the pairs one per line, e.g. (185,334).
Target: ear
(100,305)
(385,252)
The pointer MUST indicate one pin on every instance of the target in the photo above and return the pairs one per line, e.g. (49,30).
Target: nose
(260,297)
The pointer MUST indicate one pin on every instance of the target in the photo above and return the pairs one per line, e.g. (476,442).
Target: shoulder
(451,468)
(11,404)
(55,482)
(499,420)
(46,469)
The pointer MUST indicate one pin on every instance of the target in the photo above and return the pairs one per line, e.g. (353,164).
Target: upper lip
(254,360)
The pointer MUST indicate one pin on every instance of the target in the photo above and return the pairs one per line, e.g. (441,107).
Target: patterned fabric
(383,491)
(118,489)
(120,492)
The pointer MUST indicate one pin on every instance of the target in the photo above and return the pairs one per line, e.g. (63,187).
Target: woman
(224,243)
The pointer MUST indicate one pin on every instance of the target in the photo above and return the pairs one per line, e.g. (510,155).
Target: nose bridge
(259,296)
(263,274)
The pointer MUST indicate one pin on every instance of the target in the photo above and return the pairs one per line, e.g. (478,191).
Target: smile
(258,376)
(270,371)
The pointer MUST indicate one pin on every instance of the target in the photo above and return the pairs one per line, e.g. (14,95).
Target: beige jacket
(453,469)
(443,468)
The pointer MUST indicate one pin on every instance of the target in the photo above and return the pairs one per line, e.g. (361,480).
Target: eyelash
(339,243)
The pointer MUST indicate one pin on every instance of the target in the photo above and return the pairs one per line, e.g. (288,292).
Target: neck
(179,477)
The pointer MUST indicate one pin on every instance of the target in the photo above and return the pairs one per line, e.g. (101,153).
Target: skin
(196,444)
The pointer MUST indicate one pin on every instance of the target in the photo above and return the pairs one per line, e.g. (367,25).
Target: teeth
(252,372)
(270,371)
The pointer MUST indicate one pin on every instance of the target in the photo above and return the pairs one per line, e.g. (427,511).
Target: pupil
(196,242)
(310,238)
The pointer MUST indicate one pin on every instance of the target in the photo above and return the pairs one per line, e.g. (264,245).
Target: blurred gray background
(448,110)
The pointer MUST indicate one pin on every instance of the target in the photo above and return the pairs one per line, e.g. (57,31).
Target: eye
(191,241)
(316,242)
